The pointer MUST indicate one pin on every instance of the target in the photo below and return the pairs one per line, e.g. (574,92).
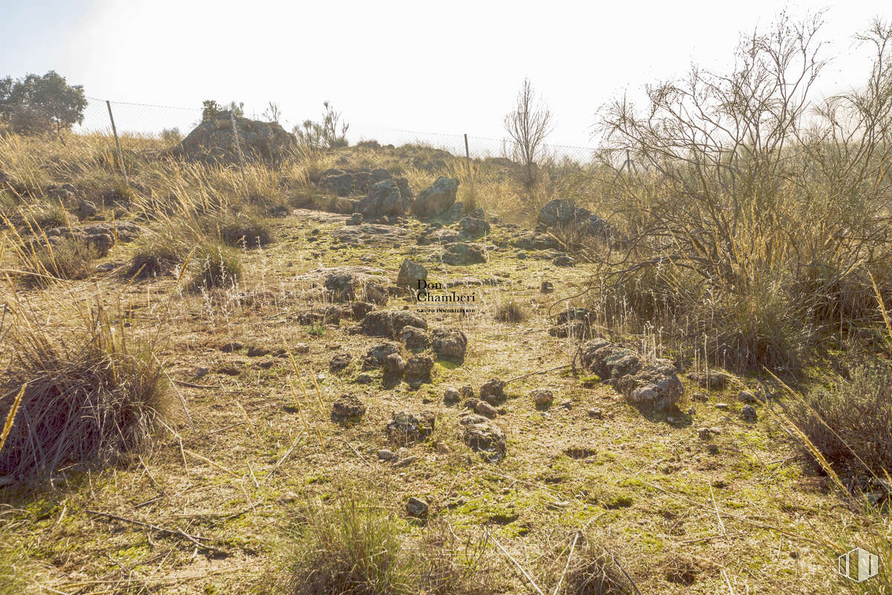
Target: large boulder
(384,199)
(213,140)
(437,199)
(654,386)
(410,274)
(449,344)
(350,182)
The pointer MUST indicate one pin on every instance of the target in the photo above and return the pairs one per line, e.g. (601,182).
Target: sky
(432,67)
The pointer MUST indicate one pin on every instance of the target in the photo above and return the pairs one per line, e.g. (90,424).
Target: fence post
(117,142)
(238,147)
(473,204)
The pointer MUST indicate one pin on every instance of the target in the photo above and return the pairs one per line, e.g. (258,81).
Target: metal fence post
(238,147)
(117,142)
(473,204)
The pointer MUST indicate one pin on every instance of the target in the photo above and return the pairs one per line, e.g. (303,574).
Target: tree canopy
(38,104)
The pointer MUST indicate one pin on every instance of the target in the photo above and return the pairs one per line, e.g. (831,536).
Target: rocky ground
(525,431)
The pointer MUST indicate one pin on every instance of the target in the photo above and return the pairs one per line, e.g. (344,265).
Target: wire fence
(172,123)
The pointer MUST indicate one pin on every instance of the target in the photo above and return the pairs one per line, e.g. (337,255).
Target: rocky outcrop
(101,236)
(213,140)
(464,254)
(564,216)
(384,199)
(483,436)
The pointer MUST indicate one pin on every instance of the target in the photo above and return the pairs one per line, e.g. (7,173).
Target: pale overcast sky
(446,67)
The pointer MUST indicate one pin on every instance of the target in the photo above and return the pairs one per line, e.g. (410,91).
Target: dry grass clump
(511,312)
(850,421)
(85,398)
(593,571)
(42,262)
(356,547)
(153,259)
(216,266)
(245,231)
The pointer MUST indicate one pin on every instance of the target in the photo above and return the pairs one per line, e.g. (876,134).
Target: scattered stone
(400,319)
(360,309)
(410,274)
(418,368)
(484,408)
(704,433)
(405,462)
(568,404)
(374,357)
(529,240)
(436,199)
(394,365)
(339,362)
(363,379)
(288,497)
(565,216)
(386,455)
(608,360)
(340,287)
(347,408)
(722,406)
(87,209)
(546,287)
(355,219)
(302,348)
(375,293)
(699,397)
(417,508)
(451,396)
(543,398)
(202,372)
(493,391)
(377,324)
(407,427)
(596,413)
(415,339)
(562,260)
(711,380)
(467,392)
(473,228)
(748,413)
(449,344)
(101,236)
(747,397)
(464,254)
(483,436)
(655,386)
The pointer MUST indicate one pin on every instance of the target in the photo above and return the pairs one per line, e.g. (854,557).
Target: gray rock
(710,380)
(213,140)
(394,365)
(385,454)
(87,209)
(748,413)
(355,219)
(484,408)
(374,358)
(483,436)
(542,397)
(451,396)
(436,199)
(609,361)
(410,274)
(383,200)
(563,260)
(472,228)
(417,508)
(399,319)
(449,344)
(747,397)
(377,324)
(467,392)
(546,287)
(340,287)
(339,362)
(375,293)
(415,339)
(101,236)
(654,386)
(563,215)
(464,254)
(493,391)
(418,368)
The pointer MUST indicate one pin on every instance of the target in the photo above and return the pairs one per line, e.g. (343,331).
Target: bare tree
(528,125)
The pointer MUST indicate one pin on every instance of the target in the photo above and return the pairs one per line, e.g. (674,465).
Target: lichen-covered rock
(213,140)
(449,344)
(653,386)
(394,365)
(493,391)
(383,200)
(374,357)
(410,274)
(462,254)
(414,338)
(608,360)
(399,319)
(473,228)
(436,199)
(340,287)
(563,215)
(339,362)
(376,324)
(407,427)
(542,397)
(376,293)
(483,436)
(418,368)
